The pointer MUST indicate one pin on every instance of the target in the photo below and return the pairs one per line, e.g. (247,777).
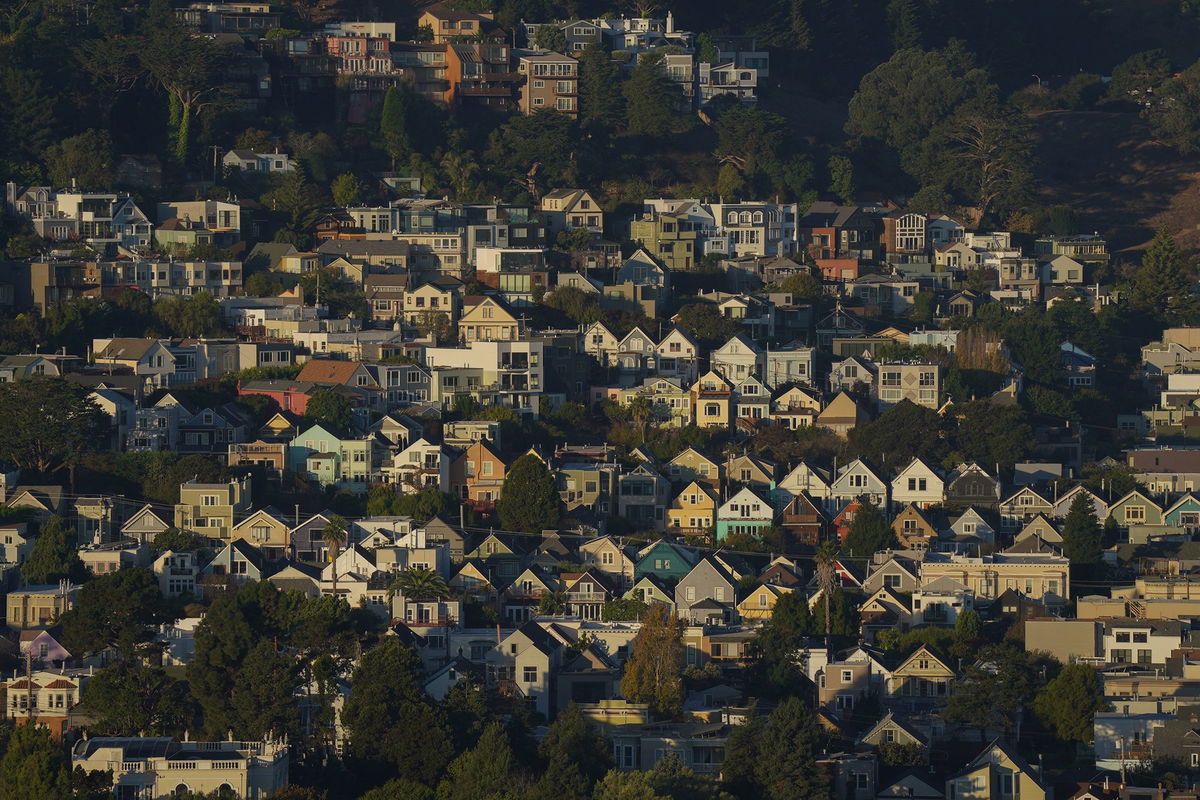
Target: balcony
(587,597)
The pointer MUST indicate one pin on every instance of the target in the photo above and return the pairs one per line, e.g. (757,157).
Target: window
(889,736)
(847,676)
(891,581)
(530,674)
(1135,513)
(1139,638)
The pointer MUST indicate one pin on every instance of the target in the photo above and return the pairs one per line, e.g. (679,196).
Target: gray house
(707,589)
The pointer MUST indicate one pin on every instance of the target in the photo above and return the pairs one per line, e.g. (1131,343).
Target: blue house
(664,560)
(239,562)
(1184,512)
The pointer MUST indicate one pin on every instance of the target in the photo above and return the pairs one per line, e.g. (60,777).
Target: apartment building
(918,383)
(551,82)
(212,509)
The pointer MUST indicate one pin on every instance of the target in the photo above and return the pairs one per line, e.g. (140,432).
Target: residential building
(918,383)
(250,161)
(551,82)
(212,509)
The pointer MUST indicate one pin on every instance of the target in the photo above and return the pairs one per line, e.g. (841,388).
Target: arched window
(732,217)
(758,216)
(181,790)
(745,216)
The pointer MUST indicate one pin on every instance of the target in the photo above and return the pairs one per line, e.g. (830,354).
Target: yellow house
(997,772)
(922,675)
(761,602)
(670,399)
(712,397)
(265,531)
(693,512)
(692,465)
(487,319)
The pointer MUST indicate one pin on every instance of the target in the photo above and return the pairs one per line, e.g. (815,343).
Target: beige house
(47,696)
(147,358)
(265,531)
(566,209)
(712,397)
(430,299)
(997,772)
(212,509)
(917,383)
(842,415)
(1039,576)
(162,767)
(551,81)
(39,606)
(487,319)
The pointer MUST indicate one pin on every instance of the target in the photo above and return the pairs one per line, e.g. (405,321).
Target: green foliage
(54,555)
(51,422)
(299,202)
(581,307)
(841,178)
(651,98)
(968,626)
(895,754)
(759,145)
(1174,112)
(421,506)
(869,532)
(389,718)
(121,609)
(777,758)
(263,693)
(1068,704)
(400,789)
(655,665)
(903,432)
(127,698)
(529,499)
(537,150)
(419,583)
(484,771)
(223,640)
(991,690)
(1081,532)
(195,315)
(576,756)
(1138,77)
(34,767)
(1161,284)
(991,434)
(623,609)
(330,409)
(86,158)
(704,323)
(347,190)
(550,37)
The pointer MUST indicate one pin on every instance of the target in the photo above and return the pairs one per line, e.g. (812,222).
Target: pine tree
(1068,704)
(787,767)
(483,771)
(1161,283)
(869,532)
(263,700)
(655,665)
(529,499)
(576,757)
(1081,532)
(53,556)
(599,88)
(223,640)
(650,98)
(393,124)
(34,767)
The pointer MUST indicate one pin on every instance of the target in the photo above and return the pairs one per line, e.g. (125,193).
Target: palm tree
(825,577)
(419,583)
(334,535)
(460,169)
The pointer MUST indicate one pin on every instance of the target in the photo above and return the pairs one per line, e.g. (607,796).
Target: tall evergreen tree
(484,771)
(529,499)
(223,640)
(651,98)
(787,767)
(393,125)
(1068,704)
(599,88)
(34,767)
(1161,283)
(869,532)
(264,699)
(655,665)
(1081,532)
(576,757)
(53,556)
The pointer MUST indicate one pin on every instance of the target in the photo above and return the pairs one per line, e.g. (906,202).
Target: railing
(587,597)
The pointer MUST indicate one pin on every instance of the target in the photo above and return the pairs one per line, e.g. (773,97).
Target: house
(177,573)
(250,161)
(237,563)
(693,511)
(265,530)
(650,589)
(524,664)
(859,481)
(211,509)
(712,397)
(919,484)
(707,581)
(894,730)
(693,465)
(42,647)
(162,767)
(665,560)
(760,601)
(608,557)
(751,470)
(795,407)
(802,519)
(971,485)
(473,579)
(150,359)
(449,24)
(586,593)
(47,696)
(488,319)
(321,456)
(144,525)
(896,573)
(15,543)
(1135,509)
(752,400)
(922,679)
(1042,576)
(522,596)
(844,683)
(566,209)
(918,383)
(913,528)
(940,602)
(477,475)
(738,358)
(744,512)
(552,82)
(842,415)
(999,771)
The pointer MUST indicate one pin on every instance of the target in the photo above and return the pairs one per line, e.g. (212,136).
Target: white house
(919,484)
(250,161)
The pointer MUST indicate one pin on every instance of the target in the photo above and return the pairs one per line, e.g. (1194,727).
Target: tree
(600,100)
(653,670)
(34,767)
(987,156)
(263,700)
(389,718)
(86,159)
(775,670)
(623,609)
(650,98)
(399,789)
(550,37)
(419,583)
(126,698)
(1081,532)
(461,169)
(903,432)
(618,785)
(825,560)
(347,190)
(188,68)
(576,756)
(968,626)
(869,532)
(739,771)
(703,322)
(529,499)
(296,197)
(1139,77)
(787,767)
(223,640)
(331,409)
(992,435)
(484,771)
(1174,113)
(195,315)
(50,423)
(537,151)
(54,555)
(28,123)
(1161,283)
(841,178)
(1068,704)
(120,609)
(991,690)
(334,535)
